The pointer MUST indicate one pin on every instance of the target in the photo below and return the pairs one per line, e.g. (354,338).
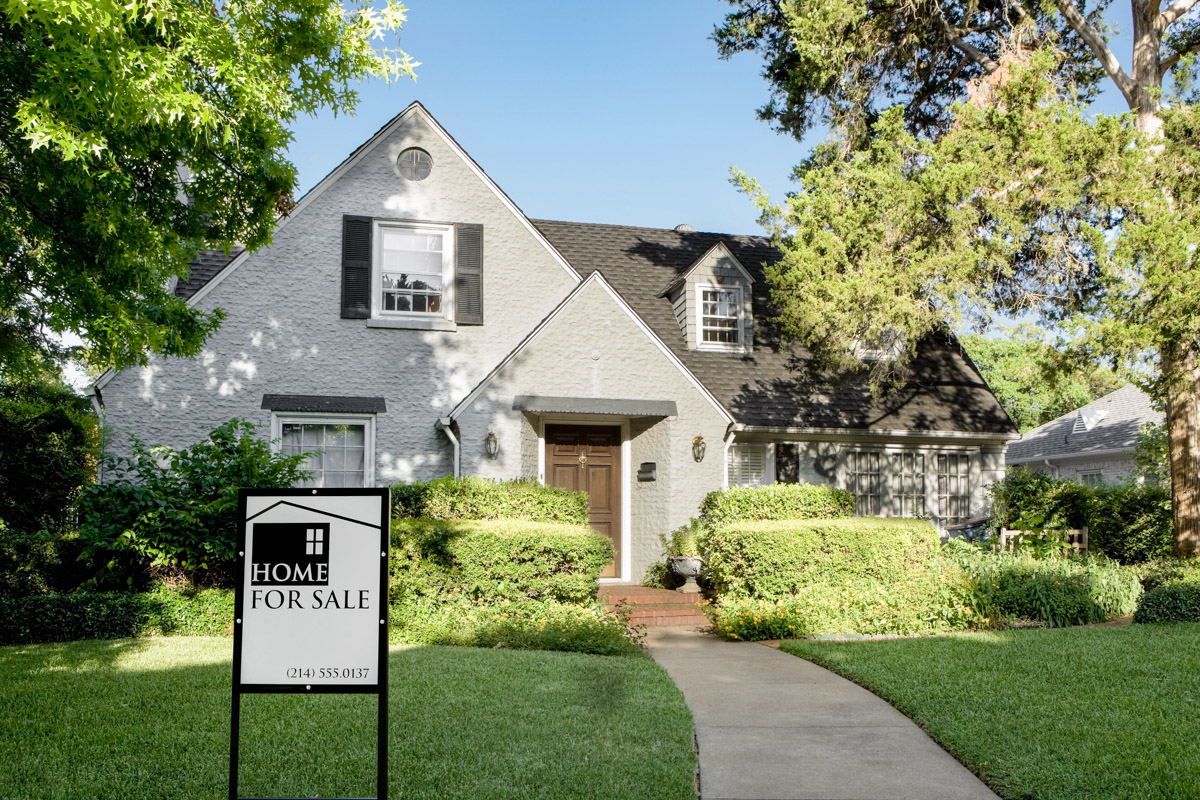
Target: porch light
(492,445)
(698,448)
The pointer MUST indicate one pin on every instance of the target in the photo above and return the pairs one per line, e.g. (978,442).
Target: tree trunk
(1183,437)
(1147,41)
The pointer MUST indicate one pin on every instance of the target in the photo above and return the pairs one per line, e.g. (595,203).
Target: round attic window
(415,164)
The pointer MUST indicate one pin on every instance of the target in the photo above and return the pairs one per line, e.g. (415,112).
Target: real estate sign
(311,598)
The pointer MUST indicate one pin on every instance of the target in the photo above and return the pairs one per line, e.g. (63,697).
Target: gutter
(443,425)
(850,433)
(1083,454)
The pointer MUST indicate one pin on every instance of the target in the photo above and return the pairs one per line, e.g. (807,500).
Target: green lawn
(1057,714)
(149,718)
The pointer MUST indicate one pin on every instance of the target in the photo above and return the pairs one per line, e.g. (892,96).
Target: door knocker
(583,459)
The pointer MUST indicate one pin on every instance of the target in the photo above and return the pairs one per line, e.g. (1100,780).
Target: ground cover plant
(1071,714)
(104,719)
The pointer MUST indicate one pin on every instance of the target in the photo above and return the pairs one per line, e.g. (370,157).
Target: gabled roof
(1115,421)
(773,386)
(719,247)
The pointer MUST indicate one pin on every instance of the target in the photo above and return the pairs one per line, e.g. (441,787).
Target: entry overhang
(540,404)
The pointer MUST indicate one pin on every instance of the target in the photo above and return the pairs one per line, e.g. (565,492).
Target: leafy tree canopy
(950,195)
(1022,370)
(134,134)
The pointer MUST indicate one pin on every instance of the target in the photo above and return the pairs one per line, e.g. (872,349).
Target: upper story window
(720,317)
(414,164)
(416,269)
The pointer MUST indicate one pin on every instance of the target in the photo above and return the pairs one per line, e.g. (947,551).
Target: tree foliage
(1018,202)
(1025,374)
(134,134)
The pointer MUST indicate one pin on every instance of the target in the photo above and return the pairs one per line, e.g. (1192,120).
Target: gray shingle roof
(1127,410)
(205,267)
(772,386)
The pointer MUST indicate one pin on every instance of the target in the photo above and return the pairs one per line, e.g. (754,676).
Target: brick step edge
(655,600)
(643,612)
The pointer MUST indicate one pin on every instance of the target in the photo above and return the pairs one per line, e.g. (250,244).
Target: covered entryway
(587,458)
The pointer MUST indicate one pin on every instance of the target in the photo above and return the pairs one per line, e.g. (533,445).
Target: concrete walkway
(770,726)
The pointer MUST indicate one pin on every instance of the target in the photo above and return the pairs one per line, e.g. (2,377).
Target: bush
(446,560)
(544,625)
(769,560)
(50,446)
(115,615)
(1169,570)
(478,498)
(1058,591)
(178,509)
(930,602)
(1131,523)
(1172,602)
(1026,500)
(39,563)
(779,501)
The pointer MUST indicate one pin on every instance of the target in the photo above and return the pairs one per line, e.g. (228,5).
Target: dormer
(712,301)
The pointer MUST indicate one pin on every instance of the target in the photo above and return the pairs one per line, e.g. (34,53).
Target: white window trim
(726,347)
(278,418)
(400,318)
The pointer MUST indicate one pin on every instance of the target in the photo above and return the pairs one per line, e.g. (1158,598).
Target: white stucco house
(409,321)
(1093,444)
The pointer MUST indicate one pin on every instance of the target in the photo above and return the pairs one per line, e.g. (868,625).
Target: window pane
(336,453)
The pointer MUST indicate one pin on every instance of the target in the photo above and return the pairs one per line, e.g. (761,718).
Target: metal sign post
(311,606)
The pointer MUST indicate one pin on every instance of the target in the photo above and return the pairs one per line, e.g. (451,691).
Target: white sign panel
(312,598)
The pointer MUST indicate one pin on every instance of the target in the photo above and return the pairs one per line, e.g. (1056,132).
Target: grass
(149,718)
(1109,712)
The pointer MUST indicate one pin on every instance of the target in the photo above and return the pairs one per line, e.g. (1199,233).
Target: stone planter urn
(687,567)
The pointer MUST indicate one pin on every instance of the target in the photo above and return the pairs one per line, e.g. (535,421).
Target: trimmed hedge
(115,615)
(778,501)
(772,559)
(495,560)
(1172,602)
(478,498)
(1169,570)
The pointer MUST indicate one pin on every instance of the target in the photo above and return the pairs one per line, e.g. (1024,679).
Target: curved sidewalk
(770,726)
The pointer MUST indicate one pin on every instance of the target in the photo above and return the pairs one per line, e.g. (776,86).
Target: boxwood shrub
(478,498)
(442,560)
(115,615)
(777,501)
(1171,602)
(772,559)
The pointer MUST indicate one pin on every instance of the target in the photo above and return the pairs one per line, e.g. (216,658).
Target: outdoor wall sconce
(698,448)
(492,445)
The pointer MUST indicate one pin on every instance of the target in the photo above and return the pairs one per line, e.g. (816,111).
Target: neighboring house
(1093,444)
(409,321)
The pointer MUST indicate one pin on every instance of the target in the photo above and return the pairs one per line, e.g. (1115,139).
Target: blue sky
(616,112)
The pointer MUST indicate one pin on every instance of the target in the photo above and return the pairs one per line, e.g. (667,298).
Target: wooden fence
(1077,539)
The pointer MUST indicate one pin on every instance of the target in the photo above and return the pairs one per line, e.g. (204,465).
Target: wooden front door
(588,459)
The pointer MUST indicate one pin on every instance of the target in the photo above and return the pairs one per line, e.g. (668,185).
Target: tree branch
(1165,64)
(1173,12)
(1095,40)
(970,51)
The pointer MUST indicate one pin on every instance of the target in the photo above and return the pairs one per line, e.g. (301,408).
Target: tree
(935,212)
(134,134)
(1022,371)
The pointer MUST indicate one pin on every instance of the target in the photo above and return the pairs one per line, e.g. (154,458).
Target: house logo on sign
(290,553)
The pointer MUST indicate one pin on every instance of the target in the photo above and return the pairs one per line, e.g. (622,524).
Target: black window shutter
(468,274)
(356,267)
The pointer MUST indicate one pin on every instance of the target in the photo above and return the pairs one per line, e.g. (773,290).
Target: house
(1093,444)
(409,321)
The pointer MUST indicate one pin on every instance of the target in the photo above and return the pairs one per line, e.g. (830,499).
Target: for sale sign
(311,599)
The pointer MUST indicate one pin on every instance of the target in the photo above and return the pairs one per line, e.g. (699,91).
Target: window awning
(324,403)
(540,404)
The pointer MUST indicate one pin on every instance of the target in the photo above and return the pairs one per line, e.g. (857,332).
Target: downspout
(98,407)
(443,425)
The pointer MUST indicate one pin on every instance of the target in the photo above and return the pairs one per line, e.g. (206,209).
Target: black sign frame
(379,688)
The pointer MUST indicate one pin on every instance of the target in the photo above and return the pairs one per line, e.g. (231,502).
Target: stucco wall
(593,349)
(284,334)
(1112,469)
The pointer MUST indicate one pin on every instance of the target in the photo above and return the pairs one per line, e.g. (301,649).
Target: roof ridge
(646,228)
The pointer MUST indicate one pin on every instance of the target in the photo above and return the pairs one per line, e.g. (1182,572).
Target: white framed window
(413,271)
(719,317)
(747,465)
(908,484)
(1091,478)
(340,450)
(864,478)
(953,487)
